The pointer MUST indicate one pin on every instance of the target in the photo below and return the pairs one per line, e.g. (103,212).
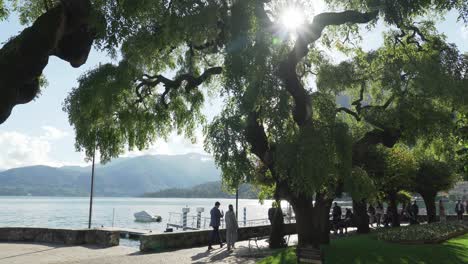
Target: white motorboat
(146,216)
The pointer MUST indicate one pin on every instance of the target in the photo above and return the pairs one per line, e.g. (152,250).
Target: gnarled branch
(189,80)
(287,69)
(349,112)
(256,136)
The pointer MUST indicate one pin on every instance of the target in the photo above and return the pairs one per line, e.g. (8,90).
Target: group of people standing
(231,227)
(460,209)
(377,215)
(381,217)
(338,224)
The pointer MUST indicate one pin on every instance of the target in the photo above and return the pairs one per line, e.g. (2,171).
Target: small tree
(399,170)
(432,177)
(361,188)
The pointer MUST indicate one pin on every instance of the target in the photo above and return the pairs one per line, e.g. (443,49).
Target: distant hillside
(122,177)
(205,190)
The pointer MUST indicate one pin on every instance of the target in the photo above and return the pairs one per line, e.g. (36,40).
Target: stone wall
(189,239)
(60,236)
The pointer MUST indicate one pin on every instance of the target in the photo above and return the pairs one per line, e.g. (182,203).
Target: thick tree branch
(387,137)
(188,80)
(64,31)
(287,69)
(349,112)
(256,136)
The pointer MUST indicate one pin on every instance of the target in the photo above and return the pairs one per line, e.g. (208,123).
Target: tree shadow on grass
(368,250)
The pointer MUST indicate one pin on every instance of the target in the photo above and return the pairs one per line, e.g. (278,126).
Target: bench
(309,255)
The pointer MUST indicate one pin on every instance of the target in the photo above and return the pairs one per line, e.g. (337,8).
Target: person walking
(215,222)
(414,212)
(231,228)
(336,214)
(371,211)
(442,216)
(459,210)
(379,211)
(348,221)
(388,216)
(466,202)
(272,212)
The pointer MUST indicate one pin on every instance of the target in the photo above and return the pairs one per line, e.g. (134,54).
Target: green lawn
(366,249)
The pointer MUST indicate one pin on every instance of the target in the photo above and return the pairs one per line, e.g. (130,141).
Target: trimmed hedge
(424,234)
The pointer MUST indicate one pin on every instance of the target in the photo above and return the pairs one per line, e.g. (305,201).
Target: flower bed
(424,234)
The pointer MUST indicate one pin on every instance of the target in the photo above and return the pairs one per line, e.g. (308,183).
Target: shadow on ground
(368,250)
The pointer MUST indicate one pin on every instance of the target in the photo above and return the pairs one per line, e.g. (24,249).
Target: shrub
(428,233)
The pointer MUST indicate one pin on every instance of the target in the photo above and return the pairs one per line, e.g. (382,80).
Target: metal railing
(175,219)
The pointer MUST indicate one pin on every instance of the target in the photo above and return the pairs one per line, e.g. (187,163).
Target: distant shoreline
(137,197)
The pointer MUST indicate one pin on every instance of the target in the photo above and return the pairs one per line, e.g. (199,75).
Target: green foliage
(29,10)
(359,185)
(3,10)
(403,197)
(434,176)
(411,85)
(227,142)
(108,114)
(400,168)
(399,11)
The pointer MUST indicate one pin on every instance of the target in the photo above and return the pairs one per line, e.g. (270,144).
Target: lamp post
(237,203)
(92,190)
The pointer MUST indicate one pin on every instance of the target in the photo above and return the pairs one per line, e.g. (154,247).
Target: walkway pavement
(20,253)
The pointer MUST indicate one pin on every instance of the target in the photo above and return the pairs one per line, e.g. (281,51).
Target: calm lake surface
(67,212)
(72,212)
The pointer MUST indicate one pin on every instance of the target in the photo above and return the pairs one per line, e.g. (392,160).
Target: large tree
(274,125)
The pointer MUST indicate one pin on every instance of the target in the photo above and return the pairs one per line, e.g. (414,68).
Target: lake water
(59,212)
(67,212)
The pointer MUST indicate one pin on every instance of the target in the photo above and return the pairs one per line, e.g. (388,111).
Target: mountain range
(120,177)
(206,190)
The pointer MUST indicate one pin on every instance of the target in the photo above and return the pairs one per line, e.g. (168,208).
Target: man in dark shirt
(215,222)
(272,212)
(336,214)
(459,209)
(414,213)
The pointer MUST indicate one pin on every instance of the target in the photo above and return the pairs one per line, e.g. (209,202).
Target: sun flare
(292,19)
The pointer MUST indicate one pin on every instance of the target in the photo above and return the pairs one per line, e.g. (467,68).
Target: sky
(38,133)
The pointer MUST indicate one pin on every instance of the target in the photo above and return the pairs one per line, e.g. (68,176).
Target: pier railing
(195,223)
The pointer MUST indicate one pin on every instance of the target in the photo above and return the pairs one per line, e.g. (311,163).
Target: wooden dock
(182,227)
(129,233)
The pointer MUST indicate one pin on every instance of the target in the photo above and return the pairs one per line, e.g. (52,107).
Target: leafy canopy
(274,126)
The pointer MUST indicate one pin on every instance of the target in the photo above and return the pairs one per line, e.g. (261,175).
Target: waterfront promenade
(21,253)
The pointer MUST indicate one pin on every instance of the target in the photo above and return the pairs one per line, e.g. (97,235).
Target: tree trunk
(361,218)
(312,221)
(392,197)
(277,230)
(429,200)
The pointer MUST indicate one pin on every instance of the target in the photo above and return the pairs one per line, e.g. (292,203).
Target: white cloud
(18,149)
(53,133)
(21,150)
(176,145)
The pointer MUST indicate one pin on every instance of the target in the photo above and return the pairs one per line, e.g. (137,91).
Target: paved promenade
(19,253)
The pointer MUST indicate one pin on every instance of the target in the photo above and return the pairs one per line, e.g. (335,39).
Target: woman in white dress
(231,227)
